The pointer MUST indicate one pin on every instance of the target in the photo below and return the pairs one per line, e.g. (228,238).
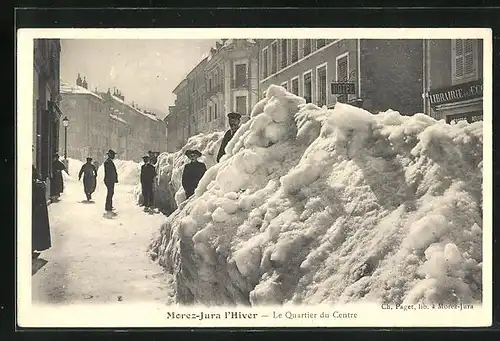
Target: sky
(146,71)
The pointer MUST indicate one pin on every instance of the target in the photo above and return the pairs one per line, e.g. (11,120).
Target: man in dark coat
(193,172)
(148,173)
(89,173)
(56,182)
(40,228)
(234,124)
(110,179)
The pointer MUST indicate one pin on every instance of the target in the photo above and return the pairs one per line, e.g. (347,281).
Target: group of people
(192,174)
(194,170)
(89,173)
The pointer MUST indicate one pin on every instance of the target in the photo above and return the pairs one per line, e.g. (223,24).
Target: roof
(200,65)
(152,117)
(181,84)
(76,89)
(117,118)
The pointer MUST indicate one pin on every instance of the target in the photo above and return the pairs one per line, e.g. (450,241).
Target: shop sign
(460,92)
(469,117)
(343,88)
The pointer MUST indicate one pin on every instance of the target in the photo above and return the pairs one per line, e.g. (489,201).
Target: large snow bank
(320,206)
(168,190)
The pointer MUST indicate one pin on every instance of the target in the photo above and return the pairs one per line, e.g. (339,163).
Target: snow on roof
(75,89)
(228,42)
(251,41)
(152,117)
(117,118)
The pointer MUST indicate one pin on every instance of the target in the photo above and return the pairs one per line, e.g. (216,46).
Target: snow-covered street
(94,259)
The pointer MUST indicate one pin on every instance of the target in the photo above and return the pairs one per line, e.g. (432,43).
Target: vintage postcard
(254,177)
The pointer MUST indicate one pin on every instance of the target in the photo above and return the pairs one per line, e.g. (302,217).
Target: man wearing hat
(110,179)
(193,172)
(89,173)
(234,124)
(148,173)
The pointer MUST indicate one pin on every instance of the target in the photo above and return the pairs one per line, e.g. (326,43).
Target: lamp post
(65,122)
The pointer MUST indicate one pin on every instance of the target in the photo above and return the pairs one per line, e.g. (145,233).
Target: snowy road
(97,260)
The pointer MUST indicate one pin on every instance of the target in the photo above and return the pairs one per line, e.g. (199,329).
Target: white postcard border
(150,315)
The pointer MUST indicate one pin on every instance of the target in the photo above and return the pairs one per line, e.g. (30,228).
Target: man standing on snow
(148,174)
(89,178)
(193,172)
(110,179)
(234,124)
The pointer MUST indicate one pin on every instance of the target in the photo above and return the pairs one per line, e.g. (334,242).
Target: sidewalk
(94,259)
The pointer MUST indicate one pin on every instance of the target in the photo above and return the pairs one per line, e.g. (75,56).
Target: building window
(306,47)
(284,53)
(215,111)
(322,87)
(241,105)
(295,86)
(464,60)
(320,43)
(265,63)
(295,50)
(210,84)
(307,93)
(342,74)
(240,78)
(209,114)
(274,58)
(285,85)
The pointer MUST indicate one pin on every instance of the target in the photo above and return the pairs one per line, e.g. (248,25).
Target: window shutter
(342,76)
(459,58)
(342,69)
(469,57)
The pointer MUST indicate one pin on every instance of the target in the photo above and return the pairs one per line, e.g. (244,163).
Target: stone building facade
(103,120)
(47,114)
(226,80)
(453,79)
(380,73)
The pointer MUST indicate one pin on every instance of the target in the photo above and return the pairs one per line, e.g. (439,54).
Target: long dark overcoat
(40,228)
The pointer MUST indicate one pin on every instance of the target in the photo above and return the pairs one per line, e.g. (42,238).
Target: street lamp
(65,122)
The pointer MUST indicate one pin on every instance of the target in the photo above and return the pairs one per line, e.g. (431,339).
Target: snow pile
(117,118)
(74,167)
(128,172)
(332,206)
(169,192)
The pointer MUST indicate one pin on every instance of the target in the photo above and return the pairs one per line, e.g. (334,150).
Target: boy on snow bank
(193,172)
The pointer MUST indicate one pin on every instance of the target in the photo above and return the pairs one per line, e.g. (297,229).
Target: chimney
(84,84)
(109,92)
(217,45)
(79,80)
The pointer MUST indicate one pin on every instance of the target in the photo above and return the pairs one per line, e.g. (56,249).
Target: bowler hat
(145,157)
(111,151)
(89,159)
(233,115)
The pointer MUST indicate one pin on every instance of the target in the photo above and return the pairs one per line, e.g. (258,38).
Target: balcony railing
(240,83)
